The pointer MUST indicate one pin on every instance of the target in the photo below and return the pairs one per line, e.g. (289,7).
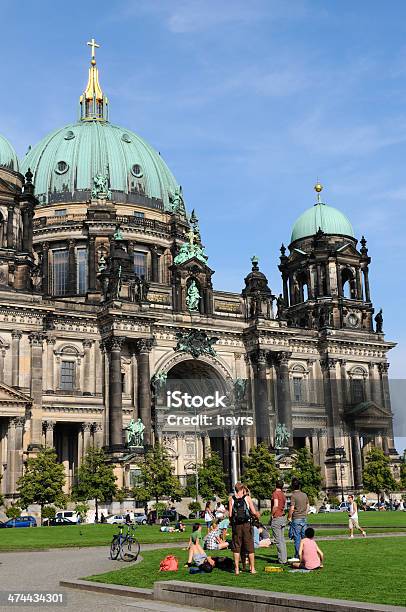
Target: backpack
(169,564)
(241,512)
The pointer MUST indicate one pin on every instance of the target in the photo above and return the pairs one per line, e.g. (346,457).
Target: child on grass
(193,540)
(310,555)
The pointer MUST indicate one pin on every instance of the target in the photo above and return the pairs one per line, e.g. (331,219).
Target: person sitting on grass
(310,555)
(262,538)
(179,526)
(194,539)
(353,517)
(213,540)
(167,529)
(199,558)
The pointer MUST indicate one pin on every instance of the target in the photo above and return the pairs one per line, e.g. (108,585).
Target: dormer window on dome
(93,103)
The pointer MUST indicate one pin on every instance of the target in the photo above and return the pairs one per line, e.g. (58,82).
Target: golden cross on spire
(93,44)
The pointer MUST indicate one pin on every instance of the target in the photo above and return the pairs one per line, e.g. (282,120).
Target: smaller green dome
(320,216)
(8,157)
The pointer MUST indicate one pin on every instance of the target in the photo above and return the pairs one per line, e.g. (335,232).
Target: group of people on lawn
(248,533)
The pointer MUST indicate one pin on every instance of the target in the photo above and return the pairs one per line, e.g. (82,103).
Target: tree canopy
(157,476)
(260,472)
(96,479)
(308,473)
(377,475)
(43,481)
(211,477)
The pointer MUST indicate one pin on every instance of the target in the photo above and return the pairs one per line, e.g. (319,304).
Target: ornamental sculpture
(196,343)
(193,297)
(281,436)
(159,381)
(177,204)
(379,322)
(190,249)
(135,433)
(101,189)
(240,388)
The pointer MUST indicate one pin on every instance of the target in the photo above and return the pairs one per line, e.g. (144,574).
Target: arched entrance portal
(203,389)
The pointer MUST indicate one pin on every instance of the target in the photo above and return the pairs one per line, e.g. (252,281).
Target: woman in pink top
(310,555)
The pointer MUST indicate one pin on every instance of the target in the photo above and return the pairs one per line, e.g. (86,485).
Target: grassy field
(80,535)
(101,535)
(358,570)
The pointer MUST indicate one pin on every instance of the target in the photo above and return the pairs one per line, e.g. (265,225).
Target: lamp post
(341,454)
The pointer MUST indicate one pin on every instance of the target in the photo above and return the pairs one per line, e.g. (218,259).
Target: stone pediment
(347,249)
(194,264)
(9,394)
(368,410)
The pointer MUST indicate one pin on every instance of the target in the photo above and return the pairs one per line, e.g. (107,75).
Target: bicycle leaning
(125,544)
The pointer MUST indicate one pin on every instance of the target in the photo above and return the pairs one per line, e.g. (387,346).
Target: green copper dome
(66,161)
(320,216)
(8,157)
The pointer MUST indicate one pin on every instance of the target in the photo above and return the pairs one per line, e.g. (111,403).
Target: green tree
(82,508)
(308,473)
(43,481)
(1,496)
(157,475)
(48,513)
(13,511)
(96,479)
(211,478)
(260,472)
(377,475)
(403,471)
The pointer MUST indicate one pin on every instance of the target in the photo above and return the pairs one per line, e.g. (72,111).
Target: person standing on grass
(241,509)
(208,516)
(278,521)
(298,511)
(353,517)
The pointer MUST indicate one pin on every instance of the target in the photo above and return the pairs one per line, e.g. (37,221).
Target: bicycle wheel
(115,547)
(130,549)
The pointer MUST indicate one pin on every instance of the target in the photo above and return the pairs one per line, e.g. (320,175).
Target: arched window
(298,383)
(357,384)
(68,358)
(348,284)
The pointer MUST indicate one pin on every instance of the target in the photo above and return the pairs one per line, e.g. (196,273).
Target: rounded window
(69,135)
(61,167)
(125,138)
(136,170)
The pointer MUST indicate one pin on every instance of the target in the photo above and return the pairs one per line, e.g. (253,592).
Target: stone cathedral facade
(106,289)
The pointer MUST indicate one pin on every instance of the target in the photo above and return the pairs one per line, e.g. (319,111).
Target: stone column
(259,365)
(10,228)
(366,283)
(45,269)
(27,215)
(113,346)
(50,364)
(356,460)
(155,256)
(98,434)
(2,356)
(134,376)
(383,370)
(36,341)
(91,263)
(71,267)
(87,379)
(339,281)
(331,400)
(49,433)
(87,435)
(359,284)
(373,383)
(14,453)
(285,289)
(16,335)
(144,346)
(283,389)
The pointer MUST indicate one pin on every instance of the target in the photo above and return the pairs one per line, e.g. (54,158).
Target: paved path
(42,571)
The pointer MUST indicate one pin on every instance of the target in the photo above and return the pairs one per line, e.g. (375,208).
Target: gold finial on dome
(318,188)
(94,104)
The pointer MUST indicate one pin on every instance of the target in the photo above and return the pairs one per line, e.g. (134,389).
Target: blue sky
(248,102)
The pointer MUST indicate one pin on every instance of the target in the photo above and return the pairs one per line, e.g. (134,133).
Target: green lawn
(80,535)
(101,535)
(359,570)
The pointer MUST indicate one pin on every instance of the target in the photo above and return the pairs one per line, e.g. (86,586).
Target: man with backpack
(241,511)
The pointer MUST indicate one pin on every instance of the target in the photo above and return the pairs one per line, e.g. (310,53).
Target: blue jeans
(298,529)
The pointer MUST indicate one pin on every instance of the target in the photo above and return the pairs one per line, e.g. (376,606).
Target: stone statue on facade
(281,306)
(193,297)
(143,288)
(36,278)
(118,234)
(195,342)
(176,201)
(379,322)
(159,381)
(102,265)
(282,436)
(135,433)
(240,389)
(190,249)
(101,189)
